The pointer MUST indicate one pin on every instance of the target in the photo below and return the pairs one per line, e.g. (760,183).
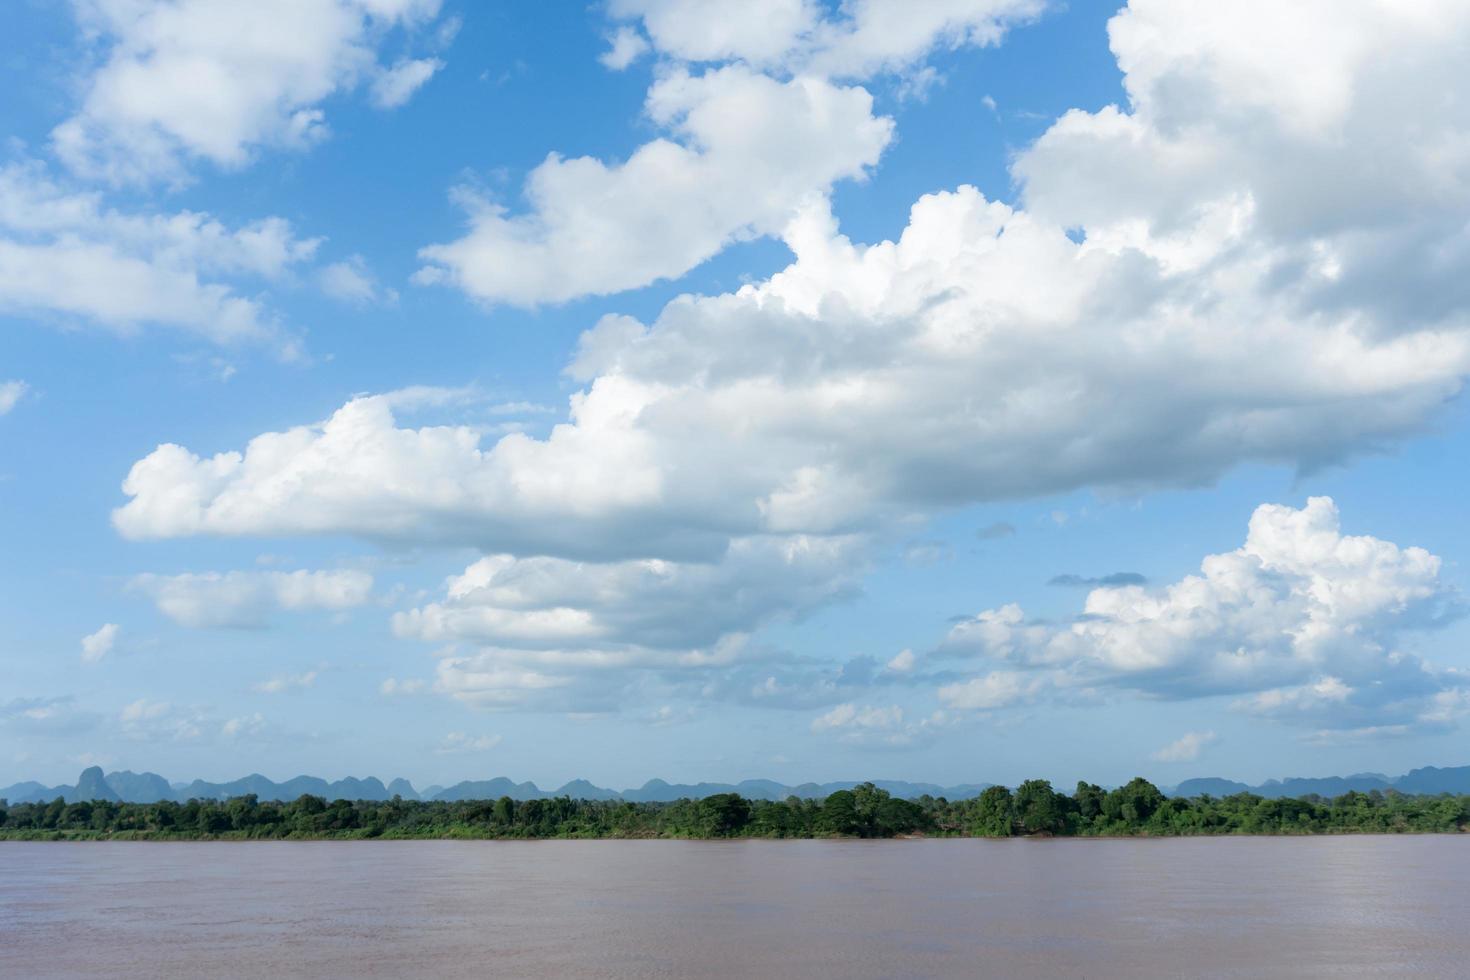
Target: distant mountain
(139,787)
(148,787)
(1428,781)
(490,789)
(1209,786)
(266,789)
(34,792)
(1432,781)
(402,787)
(581,789)
(92,785)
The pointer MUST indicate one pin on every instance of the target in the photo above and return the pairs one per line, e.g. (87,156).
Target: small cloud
(916,86)
(927,553)
(768,688)
(246,726)
(46,716)
(876,726)
(988,102)
(218,368)
(11,392)
(668,715)
(456,742)
(287,682)
(852,717)
(1000,529)
(393,687)
(249,599)
(903,662)
(520,408)
(350,281)
(1186,748)
(395,86)
(1110,581)
(626,47)
(995,690)
(160,721)
(99,644)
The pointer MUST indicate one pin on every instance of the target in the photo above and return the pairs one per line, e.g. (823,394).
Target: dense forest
(1034,808)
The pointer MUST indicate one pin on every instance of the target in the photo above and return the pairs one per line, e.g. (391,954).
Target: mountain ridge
(148,787)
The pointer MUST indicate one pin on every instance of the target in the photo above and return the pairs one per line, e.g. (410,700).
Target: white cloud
(1265,132)
(11,392)
(666,714)
(214,79)
(743,145)
(1186,748)
(849,715)
(971,361)
(45,716)
(287,682)
(867,36)
(624,47)
(548,626)
(876,726)
(244,599)
(997,689)
(758,31)
(394,86)
(743,151)
(393,686)
(160,721)
(903,662)
(1211,315)
(457,742)
(245,726)
(351,282)
(143,710)
(63,254)
(551,602)
(483,680)
(1306,622)
(97,645)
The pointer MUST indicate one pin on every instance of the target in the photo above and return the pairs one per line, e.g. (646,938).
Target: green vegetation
(1034,808)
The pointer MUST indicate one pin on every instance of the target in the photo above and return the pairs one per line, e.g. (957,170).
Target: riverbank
(1137,809)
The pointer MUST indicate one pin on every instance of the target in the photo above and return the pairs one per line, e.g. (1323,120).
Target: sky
(963,391)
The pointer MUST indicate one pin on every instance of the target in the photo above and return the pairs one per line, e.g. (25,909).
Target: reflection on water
(1266,907)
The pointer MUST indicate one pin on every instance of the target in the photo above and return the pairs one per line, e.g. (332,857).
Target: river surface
(1222,907)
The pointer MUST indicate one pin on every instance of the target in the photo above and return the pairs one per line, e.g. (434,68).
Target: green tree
(1039,808)
(994,813)
(839,814)
(1134,803)
(724,814)
(1089,797)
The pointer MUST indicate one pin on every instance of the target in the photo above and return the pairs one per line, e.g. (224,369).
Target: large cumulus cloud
(1189,284)
(1302,623)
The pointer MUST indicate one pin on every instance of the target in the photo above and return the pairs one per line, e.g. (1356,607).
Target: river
(1220,907)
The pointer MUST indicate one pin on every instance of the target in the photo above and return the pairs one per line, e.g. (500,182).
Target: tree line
(1033,808)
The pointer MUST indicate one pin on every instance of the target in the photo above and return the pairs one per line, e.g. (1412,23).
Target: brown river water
(1221,907)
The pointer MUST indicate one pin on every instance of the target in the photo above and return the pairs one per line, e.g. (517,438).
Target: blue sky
(640,390)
